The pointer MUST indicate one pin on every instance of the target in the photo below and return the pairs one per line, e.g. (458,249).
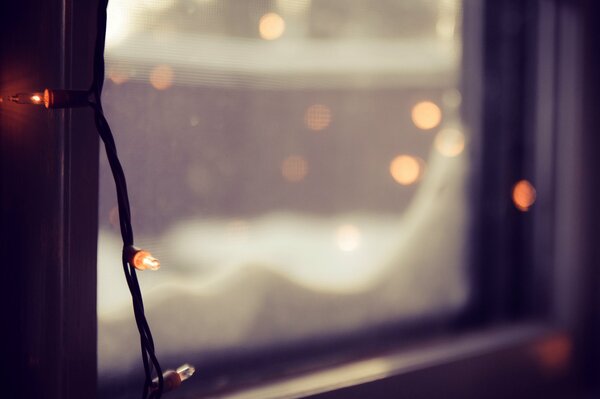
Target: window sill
(520,361)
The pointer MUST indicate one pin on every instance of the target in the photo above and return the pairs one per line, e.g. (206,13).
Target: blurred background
(319,177)
(349,199)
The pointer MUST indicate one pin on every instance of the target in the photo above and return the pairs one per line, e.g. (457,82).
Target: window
(288,162)
(522,102)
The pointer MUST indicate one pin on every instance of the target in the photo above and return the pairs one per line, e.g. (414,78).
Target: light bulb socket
(58,98)
(129,251)
(172,379)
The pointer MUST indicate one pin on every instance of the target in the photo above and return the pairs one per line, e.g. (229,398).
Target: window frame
(49,203)
(64,366)
(463,367)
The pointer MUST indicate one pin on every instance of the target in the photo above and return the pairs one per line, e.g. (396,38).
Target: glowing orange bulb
(53,98)
(523,195)
(34,98)
(143,260)
(47,98)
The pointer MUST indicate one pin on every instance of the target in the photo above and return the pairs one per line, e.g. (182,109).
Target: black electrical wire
(149,358)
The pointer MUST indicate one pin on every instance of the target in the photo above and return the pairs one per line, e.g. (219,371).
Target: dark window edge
(490,355)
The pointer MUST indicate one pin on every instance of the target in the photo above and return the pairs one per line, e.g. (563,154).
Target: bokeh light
(523,195)
(348,237)
(294,168)
(271,26)
(554,353)
(447,16)
(317,117)
(449,142)
(406,169)
(161,77)
(194,120)
(451,98)
(426,115)
(117,76)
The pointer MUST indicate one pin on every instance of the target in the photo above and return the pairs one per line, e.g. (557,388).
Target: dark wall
(48,202)
(589,176)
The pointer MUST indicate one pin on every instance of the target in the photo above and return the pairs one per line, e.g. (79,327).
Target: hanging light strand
(133,258)
(149,359)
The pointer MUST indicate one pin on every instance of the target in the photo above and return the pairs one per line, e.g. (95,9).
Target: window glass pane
(297,166)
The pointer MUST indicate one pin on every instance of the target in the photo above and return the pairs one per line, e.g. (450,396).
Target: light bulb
(53,98)
(185,371)
(35,98)
(172,379)
(141,259)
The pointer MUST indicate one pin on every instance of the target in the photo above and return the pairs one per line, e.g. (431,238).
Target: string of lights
(131,255)
(133,258)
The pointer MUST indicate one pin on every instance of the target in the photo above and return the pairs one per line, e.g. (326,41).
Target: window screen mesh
(298,167)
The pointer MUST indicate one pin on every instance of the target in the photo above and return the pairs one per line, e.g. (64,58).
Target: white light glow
(118,22)
(348,238)
(449,142)
(158,5)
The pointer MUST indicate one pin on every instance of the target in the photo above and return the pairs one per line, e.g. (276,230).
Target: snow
(284,277)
